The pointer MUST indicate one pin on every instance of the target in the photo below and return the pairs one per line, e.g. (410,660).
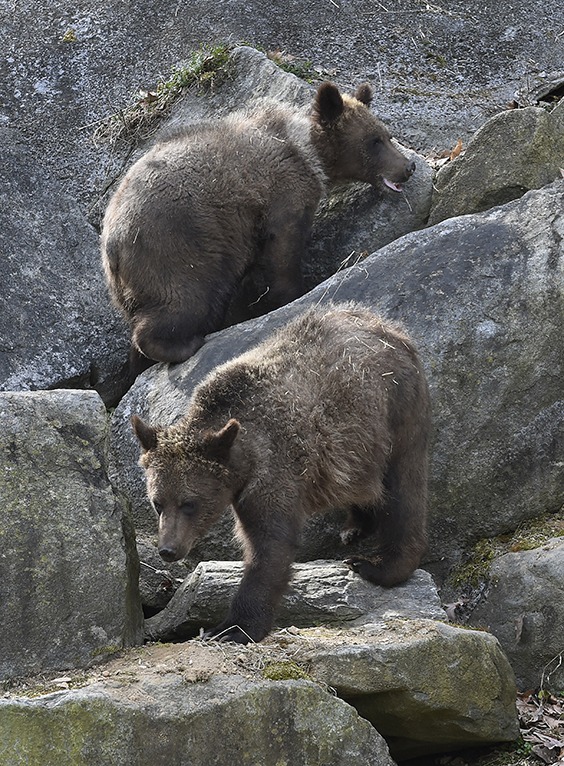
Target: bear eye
(158,507)
(375,141)
(189,507)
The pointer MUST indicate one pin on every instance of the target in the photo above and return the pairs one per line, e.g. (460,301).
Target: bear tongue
(391,185)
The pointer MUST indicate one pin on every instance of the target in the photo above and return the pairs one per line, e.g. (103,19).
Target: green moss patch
(284,670)
(528,535)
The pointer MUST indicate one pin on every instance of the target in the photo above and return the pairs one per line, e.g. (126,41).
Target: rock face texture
(169,720)
(440,70)
(56,321)
(69,566)
(523,608)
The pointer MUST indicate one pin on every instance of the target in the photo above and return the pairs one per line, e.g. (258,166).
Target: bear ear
(146,434)
(328,105)
(364,94)
(217,444)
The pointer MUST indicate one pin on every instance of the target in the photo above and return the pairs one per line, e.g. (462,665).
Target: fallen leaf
(456,151)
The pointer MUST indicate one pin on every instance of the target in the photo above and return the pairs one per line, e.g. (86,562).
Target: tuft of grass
(205,68)
(301,68)
(535,533)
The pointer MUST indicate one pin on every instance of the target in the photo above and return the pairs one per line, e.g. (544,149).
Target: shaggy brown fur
(332,411)
(220,213)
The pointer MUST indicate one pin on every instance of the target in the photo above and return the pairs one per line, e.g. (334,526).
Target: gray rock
(355,220)
(524,609)
(163,719)
(515,151)
(321,592)
(439,72)
(424,685)
(69,566)
(56,325)
(482,296)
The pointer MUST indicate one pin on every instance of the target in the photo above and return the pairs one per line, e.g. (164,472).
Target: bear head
(188,480)
(353,143)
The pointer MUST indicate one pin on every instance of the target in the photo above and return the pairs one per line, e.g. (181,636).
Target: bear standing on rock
(332,411)
(215,219)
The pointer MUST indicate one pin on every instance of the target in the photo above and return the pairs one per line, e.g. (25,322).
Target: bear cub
(332,411)
(209,227)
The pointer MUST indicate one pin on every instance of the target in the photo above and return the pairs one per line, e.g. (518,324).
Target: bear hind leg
(400,526)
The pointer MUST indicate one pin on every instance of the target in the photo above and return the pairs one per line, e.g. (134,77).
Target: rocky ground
(541,715)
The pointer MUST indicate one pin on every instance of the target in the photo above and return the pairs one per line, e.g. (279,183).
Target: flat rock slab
(321,592)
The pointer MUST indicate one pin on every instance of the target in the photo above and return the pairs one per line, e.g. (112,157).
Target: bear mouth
(391,185)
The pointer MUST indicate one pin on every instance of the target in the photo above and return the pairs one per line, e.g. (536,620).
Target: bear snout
(169,554)
(398,178)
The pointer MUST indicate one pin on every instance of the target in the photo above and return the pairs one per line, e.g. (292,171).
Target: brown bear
(331,412)
(218,215)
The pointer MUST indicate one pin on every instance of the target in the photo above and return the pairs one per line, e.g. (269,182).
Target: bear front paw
(366,569)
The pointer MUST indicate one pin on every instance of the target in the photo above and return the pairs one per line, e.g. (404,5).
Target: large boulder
(69,567)
(482,296)
(424,685)
(524,609)
(515,151)
(168,715)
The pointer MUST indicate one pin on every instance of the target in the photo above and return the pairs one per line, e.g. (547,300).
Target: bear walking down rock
(332,411)
(216,217)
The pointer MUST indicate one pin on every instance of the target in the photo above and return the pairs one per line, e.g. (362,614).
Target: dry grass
(205,69)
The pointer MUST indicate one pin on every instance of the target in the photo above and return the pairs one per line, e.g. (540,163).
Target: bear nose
(168,554)
(410,168)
